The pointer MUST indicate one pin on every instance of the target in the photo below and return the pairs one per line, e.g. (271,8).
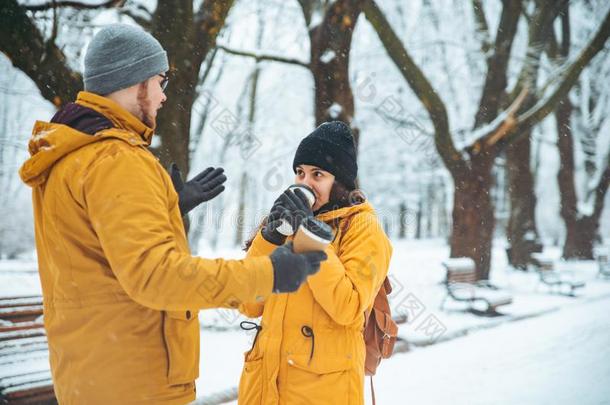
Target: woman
(309,348)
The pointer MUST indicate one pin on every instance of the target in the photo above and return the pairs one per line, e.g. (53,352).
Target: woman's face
(320,181)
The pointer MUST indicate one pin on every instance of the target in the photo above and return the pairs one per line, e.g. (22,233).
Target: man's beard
(145,107)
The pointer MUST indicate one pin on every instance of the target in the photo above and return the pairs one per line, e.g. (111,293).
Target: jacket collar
(120,118)
(345,212)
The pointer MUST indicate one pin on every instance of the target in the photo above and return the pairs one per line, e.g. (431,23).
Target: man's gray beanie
(120,56)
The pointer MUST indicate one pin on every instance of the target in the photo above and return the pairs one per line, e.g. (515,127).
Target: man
(121,290)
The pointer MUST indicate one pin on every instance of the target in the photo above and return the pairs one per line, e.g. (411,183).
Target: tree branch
(486,136)
(482,26)
(539,30)
(74,4)
(208,22)
(571,73)
(41,60)
(497,64)
(600,190)
(312,8)
(143,21)
(419,84)
(262,57)
(508,124)
(307,7)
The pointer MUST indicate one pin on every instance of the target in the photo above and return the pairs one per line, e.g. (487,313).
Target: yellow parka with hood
(310,347)
(121,290)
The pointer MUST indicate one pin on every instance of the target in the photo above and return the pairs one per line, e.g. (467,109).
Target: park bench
(25,377)
(462,285)
(556,281)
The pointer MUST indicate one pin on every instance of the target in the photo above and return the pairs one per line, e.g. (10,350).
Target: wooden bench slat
(19,334)
(24,357)
(21,314)
(20,301)
(36,391)
(9,350)
(25,362)
(20,326)
(470,278)
(9,311)
(25,377)
(23,343)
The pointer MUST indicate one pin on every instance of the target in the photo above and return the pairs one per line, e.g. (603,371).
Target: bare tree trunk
(521,232)
(402,214)
(200,216)
(565,178)
(581,230)
(419,219)
(473,215)
(444,215)
(243,185)
(241,210)
(330,48)
(187,36)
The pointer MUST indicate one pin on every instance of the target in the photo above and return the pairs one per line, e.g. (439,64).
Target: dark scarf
(82,119)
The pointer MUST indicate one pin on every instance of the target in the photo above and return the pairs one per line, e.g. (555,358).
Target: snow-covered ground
(559,358)
(547,348)
(562,357)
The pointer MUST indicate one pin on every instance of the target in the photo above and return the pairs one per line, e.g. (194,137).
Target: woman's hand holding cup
(287,213)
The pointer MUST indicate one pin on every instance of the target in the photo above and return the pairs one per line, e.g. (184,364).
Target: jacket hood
(52,141)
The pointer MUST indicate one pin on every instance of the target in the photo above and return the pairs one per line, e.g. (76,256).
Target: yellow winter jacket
(310,348)
(121,290)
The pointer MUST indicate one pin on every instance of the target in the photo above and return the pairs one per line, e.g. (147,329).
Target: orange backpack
(380,330)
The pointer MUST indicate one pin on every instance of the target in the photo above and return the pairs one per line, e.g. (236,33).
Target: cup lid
(308,192)
(319,229)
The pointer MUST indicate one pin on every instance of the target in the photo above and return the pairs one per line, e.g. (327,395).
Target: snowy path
(562,357)
(559,358)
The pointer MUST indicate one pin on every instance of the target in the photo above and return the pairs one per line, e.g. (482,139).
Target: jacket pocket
(251,382)
(181,334)
(323,380)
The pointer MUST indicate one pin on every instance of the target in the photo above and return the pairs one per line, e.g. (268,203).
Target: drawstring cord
(247,326)
(305,330)
(308,333)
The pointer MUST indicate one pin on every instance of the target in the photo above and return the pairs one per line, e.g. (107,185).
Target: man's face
(150,99)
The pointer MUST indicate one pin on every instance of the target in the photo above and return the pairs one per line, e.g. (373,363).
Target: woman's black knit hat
(330,147)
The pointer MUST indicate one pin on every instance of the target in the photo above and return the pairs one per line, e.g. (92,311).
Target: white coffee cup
(285,228)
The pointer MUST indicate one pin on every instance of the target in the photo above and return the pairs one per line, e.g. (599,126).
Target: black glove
(291,206)
(291,269)
(269,231)
(203,187)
